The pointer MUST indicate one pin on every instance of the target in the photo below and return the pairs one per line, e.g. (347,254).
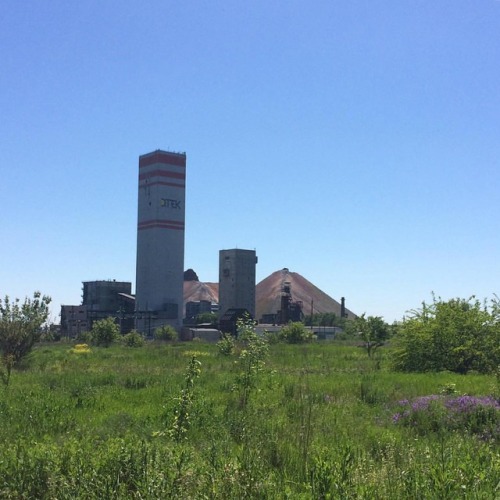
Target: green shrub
(272,337)
(104,332)
(166,333)
(296,333)
(250,361)
(84,337)
(182,410)
(133,339)
(458,335)
(226,344)
(49,335)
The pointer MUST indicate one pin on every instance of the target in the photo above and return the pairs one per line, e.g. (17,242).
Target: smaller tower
(237,280)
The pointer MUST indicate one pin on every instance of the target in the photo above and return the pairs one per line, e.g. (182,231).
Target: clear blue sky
(354,142)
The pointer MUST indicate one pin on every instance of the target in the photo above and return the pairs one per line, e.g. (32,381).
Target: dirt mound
(197,290)
(268,295)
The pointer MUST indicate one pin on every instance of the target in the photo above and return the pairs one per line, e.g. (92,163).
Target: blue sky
(354,142)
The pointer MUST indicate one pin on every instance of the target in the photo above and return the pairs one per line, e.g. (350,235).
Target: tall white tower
(160,240)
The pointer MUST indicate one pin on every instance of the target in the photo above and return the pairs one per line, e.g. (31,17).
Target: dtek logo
(166,202)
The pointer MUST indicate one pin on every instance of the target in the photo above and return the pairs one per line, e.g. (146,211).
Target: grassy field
(306,421)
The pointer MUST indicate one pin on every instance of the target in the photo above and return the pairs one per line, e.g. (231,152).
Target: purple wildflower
(478,415)
(423,402)
(470,403)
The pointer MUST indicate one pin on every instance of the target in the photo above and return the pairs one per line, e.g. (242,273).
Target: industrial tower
(237,280)
(160,240)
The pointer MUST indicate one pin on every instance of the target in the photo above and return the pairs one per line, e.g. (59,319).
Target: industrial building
(160,240)
(104,298)
(100,299)
(104,295)
(237,280)
(74,320)
(290,310)
(195,308)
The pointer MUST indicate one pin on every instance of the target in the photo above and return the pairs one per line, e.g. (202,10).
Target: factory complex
(164,293)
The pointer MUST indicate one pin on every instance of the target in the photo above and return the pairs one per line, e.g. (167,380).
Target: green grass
(317,424)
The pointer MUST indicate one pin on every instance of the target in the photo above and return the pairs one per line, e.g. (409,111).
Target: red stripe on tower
(159,183)
(162,173)
(164,158)
(160,225)
(161,221)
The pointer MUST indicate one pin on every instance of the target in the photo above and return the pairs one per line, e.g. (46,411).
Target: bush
(458,335)
(104,332)
(84,337)
(226,344)
(251,358)
(133,339)
(49,335)
(166,333)
(271,337)
(296,333)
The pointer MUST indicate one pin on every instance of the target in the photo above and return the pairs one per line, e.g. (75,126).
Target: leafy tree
(457,335)
(296,333)
(104,332)
(20,327)
(166,332)
(373,330)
